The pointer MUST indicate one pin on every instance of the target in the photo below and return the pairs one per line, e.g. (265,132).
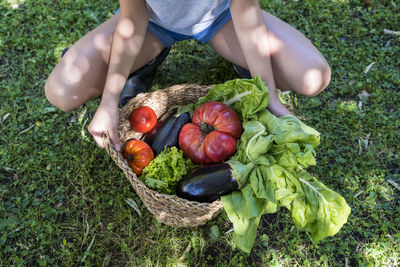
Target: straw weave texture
(168,209)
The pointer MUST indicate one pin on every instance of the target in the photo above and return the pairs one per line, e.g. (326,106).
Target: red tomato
(138,154)
(212,136)
(143,119)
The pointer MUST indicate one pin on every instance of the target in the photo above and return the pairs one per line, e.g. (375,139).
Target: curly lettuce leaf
(287,141)
(240,171)
(164,171)
(272,155)
(319,209)
(244,210)
(245,96)
(254,144)
(288,129)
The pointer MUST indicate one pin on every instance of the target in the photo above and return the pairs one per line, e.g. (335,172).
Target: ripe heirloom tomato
(211,137)
(143,119)
(138,154)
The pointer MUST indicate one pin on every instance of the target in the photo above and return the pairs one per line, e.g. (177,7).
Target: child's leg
(297,65)
(81,73)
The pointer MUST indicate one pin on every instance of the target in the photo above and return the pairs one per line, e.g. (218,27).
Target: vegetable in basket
(166,131)
(138,155)
(211,137)
(142,119)
(276,152)
(207,183)
(166,169)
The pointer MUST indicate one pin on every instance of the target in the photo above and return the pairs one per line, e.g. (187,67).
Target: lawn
(62,199)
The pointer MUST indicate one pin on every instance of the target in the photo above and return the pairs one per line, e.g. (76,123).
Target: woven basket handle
(109,146)
(121,162)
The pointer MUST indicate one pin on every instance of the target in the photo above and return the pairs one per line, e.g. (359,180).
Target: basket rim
(110,146)
(151,199)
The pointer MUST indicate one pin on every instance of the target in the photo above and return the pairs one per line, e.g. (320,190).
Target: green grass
(56,211)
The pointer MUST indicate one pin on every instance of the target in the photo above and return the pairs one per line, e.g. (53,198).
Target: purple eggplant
(166,132)
(207,183)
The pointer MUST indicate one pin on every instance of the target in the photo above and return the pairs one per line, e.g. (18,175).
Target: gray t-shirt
(186,17)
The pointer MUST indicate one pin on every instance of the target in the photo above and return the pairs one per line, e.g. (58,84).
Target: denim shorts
(168,38)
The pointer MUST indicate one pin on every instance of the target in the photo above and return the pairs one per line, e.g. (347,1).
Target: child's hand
(105,120)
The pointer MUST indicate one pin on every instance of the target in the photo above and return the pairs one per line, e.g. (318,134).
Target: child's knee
(58,95)
(316,79)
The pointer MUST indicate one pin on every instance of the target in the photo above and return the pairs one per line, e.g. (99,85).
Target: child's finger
(115,140)
(98,138)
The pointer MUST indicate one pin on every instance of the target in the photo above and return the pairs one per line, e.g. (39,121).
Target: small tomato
(138,154)
(143,119)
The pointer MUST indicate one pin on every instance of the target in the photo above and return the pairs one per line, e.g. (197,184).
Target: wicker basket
(168,209)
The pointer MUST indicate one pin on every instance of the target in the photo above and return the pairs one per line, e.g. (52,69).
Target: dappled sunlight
(258,34)
(79,75)
(275,45)
(259,37)
(74,68)
(347,106)
(313,82)
(126,28)
(62,197)
(117,80)
(376,252)
(14,4)
(103,43)
(340,1)
(58,50)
